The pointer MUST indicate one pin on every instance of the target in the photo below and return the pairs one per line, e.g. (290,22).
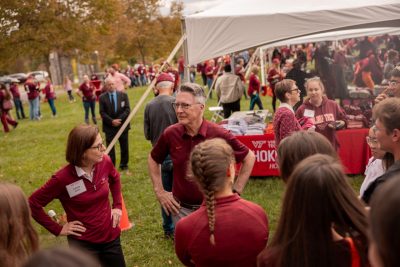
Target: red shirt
(48,92)
(15,91)
(92,207)
(87,91)
(254,84)
(176,142)
(241,233)
(33,90)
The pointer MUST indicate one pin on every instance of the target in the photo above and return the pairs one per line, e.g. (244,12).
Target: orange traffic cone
(124,224)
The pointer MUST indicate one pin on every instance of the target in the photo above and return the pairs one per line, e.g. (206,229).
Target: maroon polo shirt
(91,207)
(241,233)
(178,144)
(87,91)
(15,91)
(32,90)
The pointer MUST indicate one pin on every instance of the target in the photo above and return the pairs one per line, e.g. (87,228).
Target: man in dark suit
(114,109)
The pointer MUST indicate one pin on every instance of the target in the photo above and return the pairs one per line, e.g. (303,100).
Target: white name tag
(122,104)
(76,188)
(309,113)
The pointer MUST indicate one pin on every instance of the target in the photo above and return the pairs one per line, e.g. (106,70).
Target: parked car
(7,79)
(39,75)
(21,77)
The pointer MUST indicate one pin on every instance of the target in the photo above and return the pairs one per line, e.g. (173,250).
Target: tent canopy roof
(241,24)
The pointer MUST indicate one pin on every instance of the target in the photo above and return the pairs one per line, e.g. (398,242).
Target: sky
(190,6)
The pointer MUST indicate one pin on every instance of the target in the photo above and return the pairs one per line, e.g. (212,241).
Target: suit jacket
(107,112)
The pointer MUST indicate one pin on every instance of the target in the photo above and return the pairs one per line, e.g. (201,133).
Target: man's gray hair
(109,79)
(194,89)
(164,85)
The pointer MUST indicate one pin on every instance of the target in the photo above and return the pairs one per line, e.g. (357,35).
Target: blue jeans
(52,106)
(34,108)
(19,109)
(86,106)
(143,80)
(209,84)
(255,99)
(167,179)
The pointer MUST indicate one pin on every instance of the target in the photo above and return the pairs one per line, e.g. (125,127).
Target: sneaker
(123,168)
(169,235)
(15,125)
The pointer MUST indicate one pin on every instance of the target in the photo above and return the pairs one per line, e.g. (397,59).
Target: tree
(35,28)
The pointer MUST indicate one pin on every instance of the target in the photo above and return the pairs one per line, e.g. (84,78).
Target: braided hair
(209,164)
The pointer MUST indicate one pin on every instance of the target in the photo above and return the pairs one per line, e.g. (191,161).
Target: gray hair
(164,85)
(194,89)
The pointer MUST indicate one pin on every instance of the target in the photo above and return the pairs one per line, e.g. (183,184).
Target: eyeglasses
(394,82)
(183,105)
(371,141)
(99,146)
(296,89)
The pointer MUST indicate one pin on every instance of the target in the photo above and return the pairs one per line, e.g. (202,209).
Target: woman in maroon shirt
(322,223)
(5,106)
(226,230)
(83,188)
(50,95)
(86,92)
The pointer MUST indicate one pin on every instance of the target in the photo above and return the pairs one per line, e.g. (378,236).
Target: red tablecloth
(354,152)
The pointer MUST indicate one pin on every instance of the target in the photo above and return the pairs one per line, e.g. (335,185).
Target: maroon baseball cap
(164,77)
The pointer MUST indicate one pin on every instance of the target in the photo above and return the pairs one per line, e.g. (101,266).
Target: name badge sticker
(309,113)
(76,188)
(122,104)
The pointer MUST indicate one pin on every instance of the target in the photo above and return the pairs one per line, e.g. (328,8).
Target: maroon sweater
(32,89)
(284,123)
(254,84)
(327,113)
(92,207)
(241,232)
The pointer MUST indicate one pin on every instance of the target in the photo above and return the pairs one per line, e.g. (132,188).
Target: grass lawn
(30,154)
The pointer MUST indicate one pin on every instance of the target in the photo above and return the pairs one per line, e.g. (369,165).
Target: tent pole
(186,72)
(144,96)
(262,66)
(250,64)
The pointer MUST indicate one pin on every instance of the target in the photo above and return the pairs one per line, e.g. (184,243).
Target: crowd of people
(192,167)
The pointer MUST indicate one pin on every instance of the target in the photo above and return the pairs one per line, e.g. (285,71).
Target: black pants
(229,108)
(109,254)
(124,146)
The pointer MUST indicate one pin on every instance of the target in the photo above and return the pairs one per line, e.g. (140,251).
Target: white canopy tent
(241,24)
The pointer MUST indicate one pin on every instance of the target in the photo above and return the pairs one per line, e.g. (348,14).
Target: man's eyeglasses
(99,147)
(183,105)
(394,82)
(371,141)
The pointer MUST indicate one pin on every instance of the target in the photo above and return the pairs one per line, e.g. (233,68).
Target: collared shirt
(81,173)
(179,144)
(286,105)
(114,96)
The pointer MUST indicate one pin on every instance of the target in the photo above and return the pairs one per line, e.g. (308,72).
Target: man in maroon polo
(178,140)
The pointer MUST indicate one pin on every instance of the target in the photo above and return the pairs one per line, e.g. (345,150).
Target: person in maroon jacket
(86,92)
(19,108)
(5,106)
(50,95)
(83,188)
(33,88)
(226,230)
(322,223)
(275,75)
(254,89)
(326,114)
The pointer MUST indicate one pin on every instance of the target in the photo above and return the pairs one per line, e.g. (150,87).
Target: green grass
(30,154)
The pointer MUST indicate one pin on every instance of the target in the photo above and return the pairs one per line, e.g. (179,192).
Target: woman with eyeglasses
(285,121)
(377,164)
(325,113)
(83,188)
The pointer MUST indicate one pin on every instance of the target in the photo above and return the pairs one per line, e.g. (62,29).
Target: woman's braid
(209,162)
